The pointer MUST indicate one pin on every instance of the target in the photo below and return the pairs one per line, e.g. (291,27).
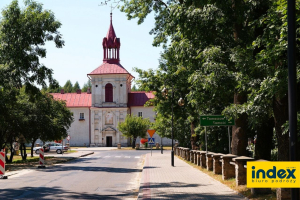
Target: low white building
(97,113)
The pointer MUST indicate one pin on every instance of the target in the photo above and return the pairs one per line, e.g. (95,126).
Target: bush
(274,154)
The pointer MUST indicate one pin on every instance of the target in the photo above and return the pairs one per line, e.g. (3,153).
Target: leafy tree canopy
(134,126)
(23,34)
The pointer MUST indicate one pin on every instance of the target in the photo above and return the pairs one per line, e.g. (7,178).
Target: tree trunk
(281,115)
(263,145)
(239,133)
(32,145)
(193,138)
(239,130)
(133,143)
(24,154)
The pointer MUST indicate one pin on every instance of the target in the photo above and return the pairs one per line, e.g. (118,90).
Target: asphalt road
(102,175)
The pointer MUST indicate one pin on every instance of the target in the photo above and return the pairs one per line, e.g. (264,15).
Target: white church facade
(98,111)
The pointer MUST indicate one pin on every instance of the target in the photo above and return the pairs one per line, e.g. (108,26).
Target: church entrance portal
(109,141)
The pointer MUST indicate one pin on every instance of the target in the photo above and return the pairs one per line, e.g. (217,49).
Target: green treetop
(134,127)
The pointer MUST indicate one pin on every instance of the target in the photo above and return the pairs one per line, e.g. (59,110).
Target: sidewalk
(162,181)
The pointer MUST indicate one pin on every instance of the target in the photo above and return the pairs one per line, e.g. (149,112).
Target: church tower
(97,113)
(111,83)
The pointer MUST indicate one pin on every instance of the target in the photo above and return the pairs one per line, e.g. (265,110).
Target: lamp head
(165,92)
(181,102)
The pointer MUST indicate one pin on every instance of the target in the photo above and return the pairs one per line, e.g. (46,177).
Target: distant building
(97,113)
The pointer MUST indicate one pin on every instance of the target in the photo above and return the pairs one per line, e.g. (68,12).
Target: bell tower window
(108,92)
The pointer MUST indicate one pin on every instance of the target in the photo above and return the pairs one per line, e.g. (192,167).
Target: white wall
(147,111)
(120,93)
(79,130)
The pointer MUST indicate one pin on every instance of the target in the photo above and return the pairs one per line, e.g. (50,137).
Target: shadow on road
(57,193)
(149,167)
(92,169)
(152,192)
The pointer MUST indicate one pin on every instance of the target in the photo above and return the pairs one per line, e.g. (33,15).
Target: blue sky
(84,24)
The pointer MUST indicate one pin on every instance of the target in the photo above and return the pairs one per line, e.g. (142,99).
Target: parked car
(57,147)
(51,146)
(37,149)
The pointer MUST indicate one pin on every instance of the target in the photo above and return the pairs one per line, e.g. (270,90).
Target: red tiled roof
(107,68)
(85,100)
(74,99)
(139,98)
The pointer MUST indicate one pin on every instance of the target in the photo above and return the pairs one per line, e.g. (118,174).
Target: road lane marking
(106,156)
(137,157)
(118,156)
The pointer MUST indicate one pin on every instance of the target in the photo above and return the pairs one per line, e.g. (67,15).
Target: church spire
(111,45)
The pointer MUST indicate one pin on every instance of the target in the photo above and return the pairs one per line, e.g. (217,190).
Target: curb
(86,154)
(140,192)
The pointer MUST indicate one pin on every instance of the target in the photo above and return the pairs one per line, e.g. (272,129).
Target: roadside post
(42,158)
(216,120)
(151,140)
(68,138)
(62,147)
(2,165)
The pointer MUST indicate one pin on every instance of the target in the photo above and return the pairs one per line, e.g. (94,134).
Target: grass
(70,151)
(18,159)
(35,158)
(242,189)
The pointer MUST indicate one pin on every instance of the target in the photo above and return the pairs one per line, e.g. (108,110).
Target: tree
(68,87)
(267,80)
(222,71)
(23,33)
(86,86)
(44,118)
(134,127)
(76,87)
(52,88)
(134,88)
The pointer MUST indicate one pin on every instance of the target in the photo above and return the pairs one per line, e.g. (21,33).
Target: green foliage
(23,33)
(134,126)
(68,87)
(26,113)
(212,51)
(86,86)
(51,89)
(45,118)
(134,88)
(76,87)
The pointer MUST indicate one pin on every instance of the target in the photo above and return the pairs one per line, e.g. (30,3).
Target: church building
(98,111)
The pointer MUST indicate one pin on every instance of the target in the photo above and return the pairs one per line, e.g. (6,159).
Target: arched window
(108,92)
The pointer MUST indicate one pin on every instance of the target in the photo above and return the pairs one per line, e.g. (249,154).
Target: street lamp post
(180,103)
(292,86)
(172,152)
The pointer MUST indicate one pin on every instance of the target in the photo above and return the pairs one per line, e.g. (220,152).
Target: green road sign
(215,120)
